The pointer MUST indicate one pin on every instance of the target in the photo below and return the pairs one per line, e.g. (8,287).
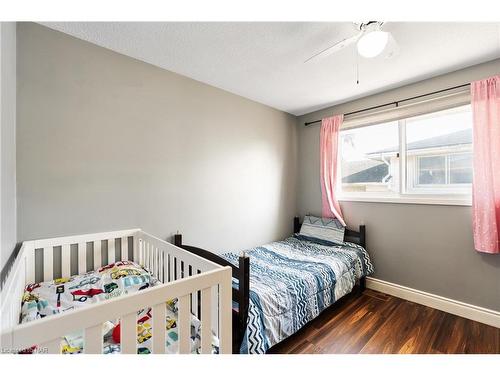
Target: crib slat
(151,267)
(157,260)
(48,263)
(206,321)
(158,263)
(152,252)
(154,263)
(97,254)
(111,251)
(154,267)
(65,261)
(145,250)
(159,328)
(171,274)
(225,336)
(51,347)
(215,309)
(184,321)
(179,269)
(82,257)
(161,266)
(128,328)
(124,248)
(135,248)
(194,304)
(30,265)
(194,299)
(93,340)
(140,248)
(165,267)
(151,258)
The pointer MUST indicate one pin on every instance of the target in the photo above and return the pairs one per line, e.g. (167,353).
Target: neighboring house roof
(461,137)
(371,174)
(374,171)
(357,166)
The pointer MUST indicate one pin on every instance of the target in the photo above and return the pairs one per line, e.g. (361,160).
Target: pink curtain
(486,183)
(329,137)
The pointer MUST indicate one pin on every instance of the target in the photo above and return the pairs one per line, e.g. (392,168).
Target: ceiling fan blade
(335,48)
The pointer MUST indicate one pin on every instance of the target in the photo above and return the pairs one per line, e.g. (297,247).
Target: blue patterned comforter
(291,282)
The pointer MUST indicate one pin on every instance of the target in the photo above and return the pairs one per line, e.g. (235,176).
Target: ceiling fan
(371,42)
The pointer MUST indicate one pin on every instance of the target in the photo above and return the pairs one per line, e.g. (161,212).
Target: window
(444,171)
(439,152)
(460,168)
(366,154)
(418,158)
(431,170)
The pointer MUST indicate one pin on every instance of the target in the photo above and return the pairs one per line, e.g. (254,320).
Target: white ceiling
(264,61)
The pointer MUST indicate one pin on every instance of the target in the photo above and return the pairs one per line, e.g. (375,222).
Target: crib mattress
(120,278)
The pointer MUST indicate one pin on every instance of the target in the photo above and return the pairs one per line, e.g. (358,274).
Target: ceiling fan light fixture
(373,43)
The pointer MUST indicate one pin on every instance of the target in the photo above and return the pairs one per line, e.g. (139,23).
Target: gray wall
(108,142)
(8,235)
(425,247)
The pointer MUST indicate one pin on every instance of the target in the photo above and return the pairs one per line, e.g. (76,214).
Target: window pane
(369,158)
(432,170)
(438,149)
(461,169)
(432,162)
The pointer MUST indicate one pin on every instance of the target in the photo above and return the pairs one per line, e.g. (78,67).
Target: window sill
(458,201)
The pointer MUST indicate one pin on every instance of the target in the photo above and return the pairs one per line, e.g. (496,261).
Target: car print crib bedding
(113,280)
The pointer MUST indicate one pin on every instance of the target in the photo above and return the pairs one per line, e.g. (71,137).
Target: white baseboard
(448,305)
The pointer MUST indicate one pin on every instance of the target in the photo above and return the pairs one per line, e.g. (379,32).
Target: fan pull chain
(357,67)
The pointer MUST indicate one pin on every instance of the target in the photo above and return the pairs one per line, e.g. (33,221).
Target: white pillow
(325,229)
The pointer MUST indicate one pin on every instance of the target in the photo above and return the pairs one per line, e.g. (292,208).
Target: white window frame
(460,196)
(413,175)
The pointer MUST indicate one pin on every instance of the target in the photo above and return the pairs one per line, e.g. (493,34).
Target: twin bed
(281,286)
(133,293)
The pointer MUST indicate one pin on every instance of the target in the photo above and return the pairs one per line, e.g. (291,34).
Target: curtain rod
(394,103)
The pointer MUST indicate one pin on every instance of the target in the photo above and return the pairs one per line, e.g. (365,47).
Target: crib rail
(152,253)
(188,274)
(98,249)
(12,290)
(46,333)
(169,263)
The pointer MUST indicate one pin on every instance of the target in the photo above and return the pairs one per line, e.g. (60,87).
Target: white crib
(202,287)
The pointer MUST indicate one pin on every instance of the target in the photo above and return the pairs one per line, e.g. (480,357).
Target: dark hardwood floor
(379,323)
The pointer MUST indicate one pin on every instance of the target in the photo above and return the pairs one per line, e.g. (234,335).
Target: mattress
(108,282)
(292,281)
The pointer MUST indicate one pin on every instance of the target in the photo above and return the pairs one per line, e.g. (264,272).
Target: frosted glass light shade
(372,43)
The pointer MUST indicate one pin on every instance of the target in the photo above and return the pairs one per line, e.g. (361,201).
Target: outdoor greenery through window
(422,156)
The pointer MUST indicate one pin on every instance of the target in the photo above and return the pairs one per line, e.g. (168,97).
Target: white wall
(8,232)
